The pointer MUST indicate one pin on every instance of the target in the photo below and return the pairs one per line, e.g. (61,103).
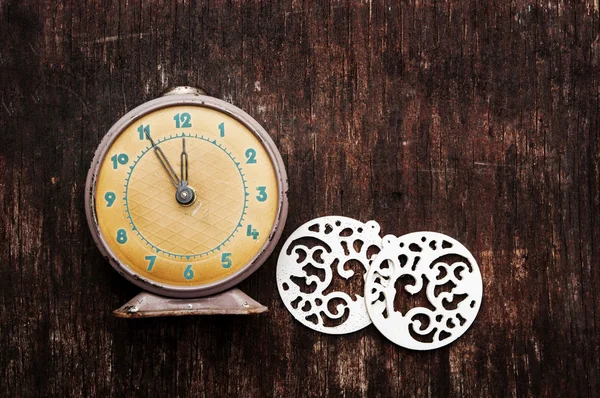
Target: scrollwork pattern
(310,259)
(434,262)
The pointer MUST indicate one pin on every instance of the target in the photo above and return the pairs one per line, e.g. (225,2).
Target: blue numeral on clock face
(188,273)
(226,260)
(122,158)
(183,120)
(144,131)
(151,260)
(250,155)
(252,232)
(262,194)
(110,198)
(121,236)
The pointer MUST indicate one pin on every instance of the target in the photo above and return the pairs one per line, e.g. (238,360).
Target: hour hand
(185,194)
(184,165)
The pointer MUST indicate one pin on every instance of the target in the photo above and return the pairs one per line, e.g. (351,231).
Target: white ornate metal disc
(316,253)
(417,263)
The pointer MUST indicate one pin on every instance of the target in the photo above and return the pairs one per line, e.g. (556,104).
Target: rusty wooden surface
(476,119)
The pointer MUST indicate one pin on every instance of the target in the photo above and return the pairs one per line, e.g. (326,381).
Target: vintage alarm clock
(186,197)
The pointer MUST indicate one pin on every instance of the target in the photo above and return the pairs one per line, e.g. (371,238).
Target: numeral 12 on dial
(183,120)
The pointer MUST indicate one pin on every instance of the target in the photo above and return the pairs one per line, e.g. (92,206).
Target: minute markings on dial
(220,245)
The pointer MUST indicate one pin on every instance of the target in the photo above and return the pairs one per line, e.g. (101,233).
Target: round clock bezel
(187,100)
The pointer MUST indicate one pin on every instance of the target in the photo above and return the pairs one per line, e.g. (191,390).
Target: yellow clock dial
(229,204)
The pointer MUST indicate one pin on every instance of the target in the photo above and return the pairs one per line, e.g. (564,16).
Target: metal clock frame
(190,100)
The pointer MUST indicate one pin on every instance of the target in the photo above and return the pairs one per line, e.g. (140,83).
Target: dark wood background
(476,119)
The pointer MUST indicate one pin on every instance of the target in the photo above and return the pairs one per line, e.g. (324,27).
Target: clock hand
(164,162)
(185,194)
(184,165)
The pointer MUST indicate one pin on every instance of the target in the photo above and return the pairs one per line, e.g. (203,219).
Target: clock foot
(230,302)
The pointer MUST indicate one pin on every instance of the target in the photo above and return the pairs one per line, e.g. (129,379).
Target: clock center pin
(185,195)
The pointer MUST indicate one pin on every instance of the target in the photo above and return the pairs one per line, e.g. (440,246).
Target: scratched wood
(478,120)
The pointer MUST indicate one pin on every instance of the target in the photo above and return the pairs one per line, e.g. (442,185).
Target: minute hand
(164,162)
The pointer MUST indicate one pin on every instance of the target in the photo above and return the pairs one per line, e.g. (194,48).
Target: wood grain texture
(476,119)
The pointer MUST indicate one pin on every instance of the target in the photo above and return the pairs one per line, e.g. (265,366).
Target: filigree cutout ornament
(316,253)
(417,263)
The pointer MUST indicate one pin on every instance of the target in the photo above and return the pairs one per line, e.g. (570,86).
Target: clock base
(230,302)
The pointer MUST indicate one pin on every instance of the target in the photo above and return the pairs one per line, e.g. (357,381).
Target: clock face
(189,197)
